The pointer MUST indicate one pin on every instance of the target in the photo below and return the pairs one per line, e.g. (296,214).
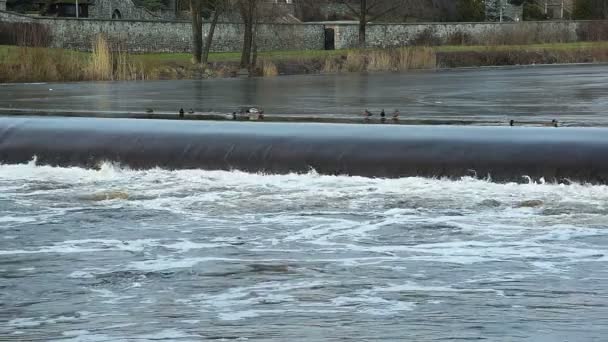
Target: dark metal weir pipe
(504,153)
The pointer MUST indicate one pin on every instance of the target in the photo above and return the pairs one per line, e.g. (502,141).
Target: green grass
(321,54)
(19,64)
(236,56)
(551,46)
(9,53)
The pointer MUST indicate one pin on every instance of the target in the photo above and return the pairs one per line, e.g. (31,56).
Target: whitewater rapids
(189,255)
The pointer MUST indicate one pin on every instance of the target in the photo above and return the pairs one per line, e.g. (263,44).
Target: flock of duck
(258,114)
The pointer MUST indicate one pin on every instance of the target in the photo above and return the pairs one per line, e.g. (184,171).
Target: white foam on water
(24,322)
(166,334)
(81,275)
(14,219)
(85,336)
(375,306)
(304,219)
(415,287)
(239,315)
(110,296)
(88,246)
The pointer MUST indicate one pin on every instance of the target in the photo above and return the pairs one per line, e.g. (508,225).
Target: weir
(501,153)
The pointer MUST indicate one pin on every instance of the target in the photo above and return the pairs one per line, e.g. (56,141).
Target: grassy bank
(27,64)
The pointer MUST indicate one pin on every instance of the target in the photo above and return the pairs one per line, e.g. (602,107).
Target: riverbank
(25,64)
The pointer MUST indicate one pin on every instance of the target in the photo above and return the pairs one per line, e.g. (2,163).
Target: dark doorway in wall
(330,39)
(116,14)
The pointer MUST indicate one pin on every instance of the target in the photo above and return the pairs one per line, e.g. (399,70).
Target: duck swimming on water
(396,115)
(512,123)
(181,112)
(555,123)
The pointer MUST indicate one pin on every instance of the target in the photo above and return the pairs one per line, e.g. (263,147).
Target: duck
(367,113)
(149,110)
(181,112)
(512,123)
(191,111)
(396,115)
(555,123)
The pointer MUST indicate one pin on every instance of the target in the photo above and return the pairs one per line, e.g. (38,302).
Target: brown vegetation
(499,57)
(25,34)
(34,64)
(402,59)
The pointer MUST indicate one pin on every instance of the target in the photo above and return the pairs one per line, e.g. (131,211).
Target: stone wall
(396,35)
(155,36)
(174,36)
(10,17)
(104,9)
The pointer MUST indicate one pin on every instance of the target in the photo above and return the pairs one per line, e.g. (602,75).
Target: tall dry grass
(415,58)
(25,34)
(379,60)
(355,61)
(269,69)
(40,64)
(101,64)
(56,65)
(401,59)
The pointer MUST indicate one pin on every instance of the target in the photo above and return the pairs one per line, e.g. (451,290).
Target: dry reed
(269,69)
(101,65)
(355,61)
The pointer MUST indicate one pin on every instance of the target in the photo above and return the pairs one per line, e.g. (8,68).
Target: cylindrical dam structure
(500,153)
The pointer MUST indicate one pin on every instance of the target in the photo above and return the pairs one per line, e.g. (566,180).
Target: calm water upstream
(573,94)
(122,255)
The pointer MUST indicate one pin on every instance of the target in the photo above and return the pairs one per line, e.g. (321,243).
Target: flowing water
(116,254)
(575,95)
(122,255)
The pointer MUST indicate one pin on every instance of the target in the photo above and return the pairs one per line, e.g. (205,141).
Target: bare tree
(200,10)
(369,10)
(196,11)
(248,10)
(217,7)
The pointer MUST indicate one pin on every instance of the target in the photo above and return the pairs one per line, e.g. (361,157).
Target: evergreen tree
(471,10)
(153,5)
(493,9)
(589,9)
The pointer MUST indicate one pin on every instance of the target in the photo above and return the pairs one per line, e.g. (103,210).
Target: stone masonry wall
(103,9)
(397,35)
(174,36)
(155,36)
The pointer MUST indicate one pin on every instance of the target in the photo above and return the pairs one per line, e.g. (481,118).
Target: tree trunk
(209,40)
(362,24)
(254,52)
(247,15)
(246,54)
(197,30)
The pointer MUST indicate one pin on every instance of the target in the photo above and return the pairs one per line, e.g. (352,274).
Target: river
(575,95)
(187,255)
